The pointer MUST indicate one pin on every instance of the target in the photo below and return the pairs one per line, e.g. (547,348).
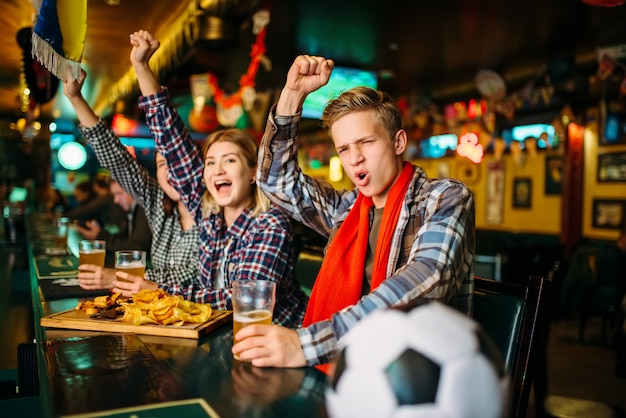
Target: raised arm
(307,74)
(144,45)
(72,89)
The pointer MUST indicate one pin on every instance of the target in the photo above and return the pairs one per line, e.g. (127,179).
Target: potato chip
(158,307)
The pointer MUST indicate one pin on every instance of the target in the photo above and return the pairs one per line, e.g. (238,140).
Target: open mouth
(361,175)
(222,184)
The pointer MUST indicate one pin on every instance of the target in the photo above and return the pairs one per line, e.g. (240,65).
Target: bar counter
(90,373)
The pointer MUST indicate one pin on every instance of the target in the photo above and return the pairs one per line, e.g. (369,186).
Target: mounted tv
(521,132)
(341,79)
(438,146)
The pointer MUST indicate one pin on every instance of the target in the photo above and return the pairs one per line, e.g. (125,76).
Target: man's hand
(90,230)
(307,74)
(269,346)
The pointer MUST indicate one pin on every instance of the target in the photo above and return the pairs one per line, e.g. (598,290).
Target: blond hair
(358,99)
(249,148)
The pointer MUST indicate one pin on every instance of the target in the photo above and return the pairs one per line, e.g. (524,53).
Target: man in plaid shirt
(424,250)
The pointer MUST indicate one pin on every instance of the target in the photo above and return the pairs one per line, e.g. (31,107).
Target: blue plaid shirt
(258,247)
(432,253)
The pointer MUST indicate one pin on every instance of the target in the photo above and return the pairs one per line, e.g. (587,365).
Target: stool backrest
(511,314)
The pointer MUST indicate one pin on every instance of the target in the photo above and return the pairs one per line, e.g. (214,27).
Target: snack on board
(106,306)
(148,307)
(159,307)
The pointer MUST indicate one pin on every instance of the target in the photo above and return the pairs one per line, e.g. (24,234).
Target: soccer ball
(431,361)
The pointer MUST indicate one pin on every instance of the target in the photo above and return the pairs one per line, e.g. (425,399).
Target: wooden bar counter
(93,373)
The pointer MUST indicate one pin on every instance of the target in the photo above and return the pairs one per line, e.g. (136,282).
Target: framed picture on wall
(469,173)
(522,193)
(608,213)
(553,175)
(494,210)
(612,167)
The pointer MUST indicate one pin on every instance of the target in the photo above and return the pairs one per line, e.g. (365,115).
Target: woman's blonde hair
(249,149)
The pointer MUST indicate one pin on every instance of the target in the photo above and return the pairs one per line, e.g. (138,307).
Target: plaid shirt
(257,247)
(432,252)
(174,252)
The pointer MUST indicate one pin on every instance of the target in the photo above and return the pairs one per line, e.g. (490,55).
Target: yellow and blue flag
(58,39)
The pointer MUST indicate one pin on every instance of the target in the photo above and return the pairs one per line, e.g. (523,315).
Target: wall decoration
(469,173)
(522,193)
(495,193)
(609,213)
(612,167)
(443,170)
(554,175)
(232,109)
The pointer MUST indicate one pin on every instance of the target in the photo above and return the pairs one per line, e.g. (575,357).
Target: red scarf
(340,281)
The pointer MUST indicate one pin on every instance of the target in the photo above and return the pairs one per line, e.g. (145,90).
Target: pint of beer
(253,303)
(132,262)
(92,252)
(60,237)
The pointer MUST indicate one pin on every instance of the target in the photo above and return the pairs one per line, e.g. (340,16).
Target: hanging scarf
(340,281)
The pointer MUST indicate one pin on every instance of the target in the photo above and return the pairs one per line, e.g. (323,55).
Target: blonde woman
(242,236)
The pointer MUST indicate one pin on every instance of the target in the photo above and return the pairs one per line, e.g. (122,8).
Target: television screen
(521,132)
(438,146)
(341,79)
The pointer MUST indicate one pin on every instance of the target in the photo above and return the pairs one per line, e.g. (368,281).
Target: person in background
(101,184)
(174,247)
(398,237)
(55,203)
(83,193)
(135,233)
(242,236)
(100,207)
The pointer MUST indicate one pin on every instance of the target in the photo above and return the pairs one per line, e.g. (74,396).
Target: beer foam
(92,251)
(252,316)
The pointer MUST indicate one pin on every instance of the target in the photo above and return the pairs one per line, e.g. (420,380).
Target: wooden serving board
(77,319)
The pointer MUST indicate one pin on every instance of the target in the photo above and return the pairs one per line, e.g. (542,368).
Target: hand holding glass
(132,262)
(253,303)
(92,252)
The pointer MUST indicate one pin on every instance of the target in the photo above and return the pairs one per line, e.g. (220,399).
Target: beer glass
(60,237)
(253,303)
(92,252)
(132,262)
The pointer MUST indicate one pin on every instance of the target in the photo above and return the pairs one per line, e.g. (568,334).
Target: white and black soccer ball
(429,362)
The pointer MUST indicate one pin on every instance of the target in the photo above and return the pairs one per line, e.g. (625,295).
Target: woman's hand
(129,284)
(91,277)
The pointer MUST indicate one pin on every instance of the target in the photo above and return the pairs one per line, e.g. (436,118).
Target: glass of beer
(60,237)
(132,262)
(253,303)
(92,251)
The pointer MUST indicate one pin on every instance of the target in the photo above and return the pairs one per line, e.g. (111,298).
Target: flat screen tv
(438,146)
(341,79)
(521,132)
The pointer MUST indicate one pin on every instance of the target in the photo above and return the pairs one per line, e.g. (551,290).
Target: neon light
(470,148)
